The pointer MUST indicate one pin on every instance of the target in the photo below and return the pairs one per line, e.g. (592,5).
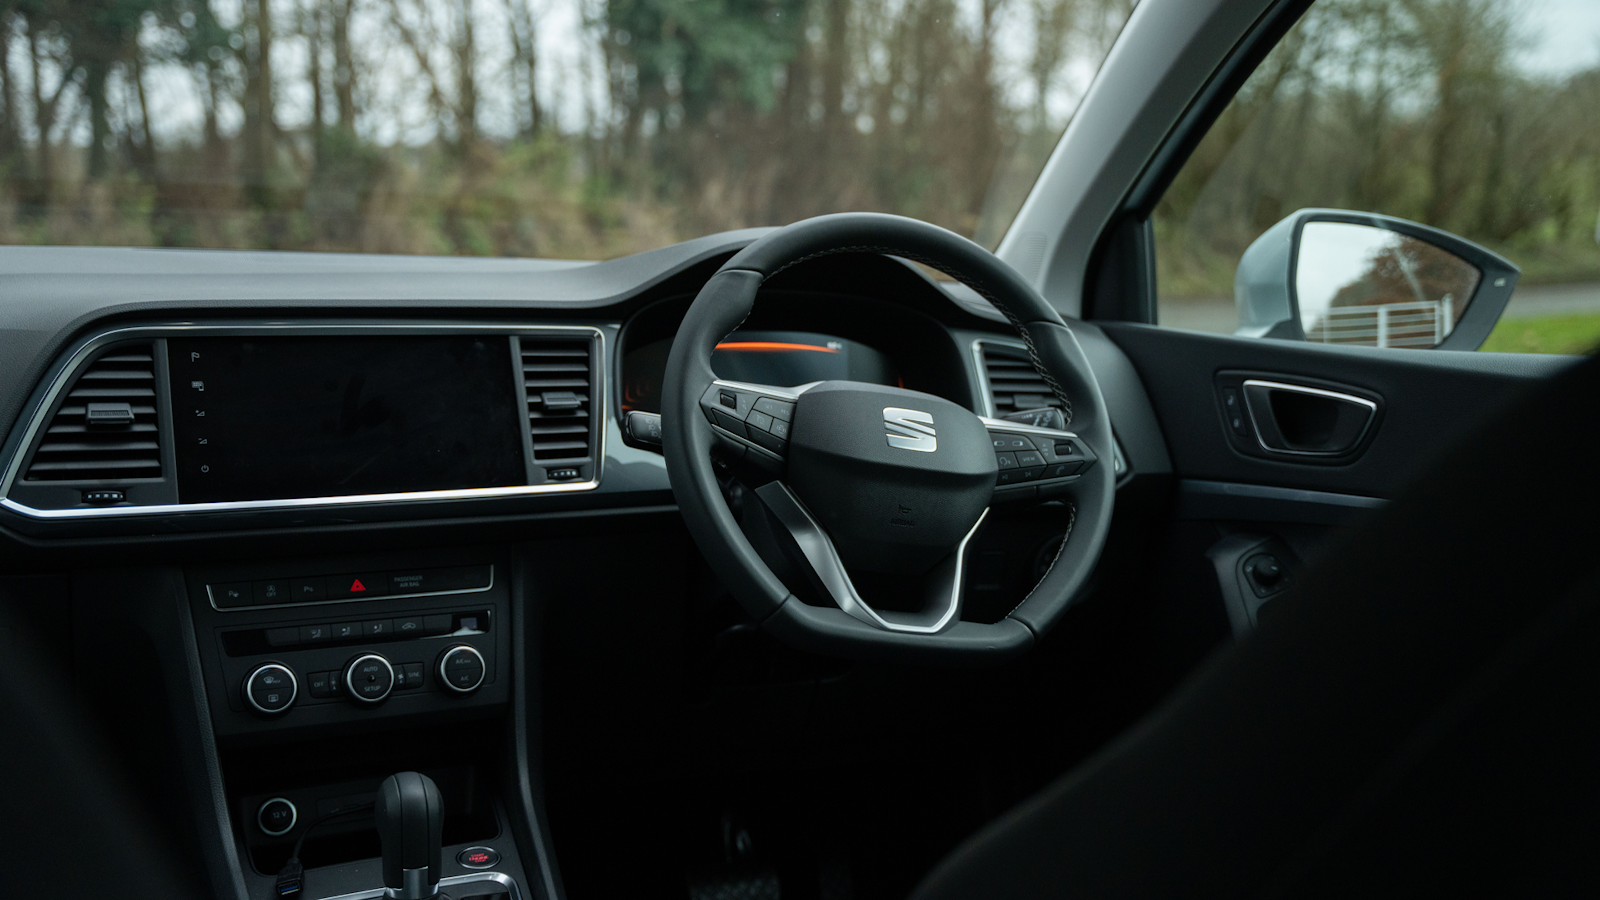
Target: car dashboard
(321,504)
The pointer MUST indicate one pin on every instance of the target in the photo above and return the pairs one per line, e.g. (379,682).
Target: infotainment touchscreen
(280,417)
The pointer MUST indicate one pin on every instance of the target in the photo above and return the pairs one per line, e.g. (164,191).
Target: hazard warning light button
(363,584)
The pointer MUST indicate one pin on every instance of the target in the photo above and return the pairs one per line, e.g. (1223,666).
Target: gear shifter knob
(410,818)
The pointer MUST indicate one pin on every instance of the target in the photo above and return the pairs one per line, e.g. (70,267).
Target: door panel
(1427,397)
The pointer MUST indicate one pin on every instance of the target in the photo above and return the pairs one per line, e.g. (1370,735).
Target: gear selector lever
(410,819)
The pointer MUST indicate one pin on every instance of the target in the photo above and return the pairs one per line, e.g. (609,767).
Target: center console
(325,675)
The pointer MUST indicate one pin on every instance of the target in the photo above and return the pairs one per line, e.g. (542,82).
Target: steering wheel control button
(478,858)
(270,689)
(727,422)
(1008,471)
(276,817)
(1016,442)
(767,439)
(778,409)
(369,678)
(462,669)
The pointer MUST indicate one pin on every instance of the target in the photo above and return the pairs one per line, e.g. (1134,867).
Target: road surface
(1534,301)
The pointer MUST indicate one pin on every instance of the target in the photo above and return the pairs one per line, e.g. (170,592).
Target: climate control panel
(366,679)
(342,662)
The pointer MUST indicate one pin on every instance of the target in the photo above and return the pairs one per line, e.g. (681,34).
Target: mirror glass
(1357,284)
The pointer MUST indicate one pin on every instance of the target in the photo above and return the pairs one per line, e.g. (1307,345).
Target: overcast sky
(1564,35)
(1561,36)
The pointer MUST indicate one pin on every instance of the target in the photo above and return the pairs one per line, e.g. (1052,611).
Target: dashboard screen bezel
(269,417)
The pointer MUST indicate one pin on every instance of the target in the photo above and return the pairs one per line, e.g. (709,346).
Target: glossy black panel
(263,418)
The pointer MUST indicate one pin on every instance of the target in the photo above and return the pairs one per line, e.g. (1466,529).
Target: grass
(1556,334)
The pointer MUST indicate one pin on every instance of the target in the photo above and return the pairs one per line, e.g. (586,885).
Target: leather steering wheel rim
(688,437)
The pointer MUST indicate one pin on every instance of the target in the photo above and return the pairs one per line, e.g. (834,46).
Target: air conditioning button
(461,669)
(270,689)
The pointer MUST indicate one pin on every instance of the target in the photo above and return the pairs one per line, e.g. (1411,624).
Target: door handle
(1296,420)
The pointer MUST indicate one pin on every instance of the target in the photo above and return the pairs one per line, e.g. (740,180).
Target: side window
(1472,118)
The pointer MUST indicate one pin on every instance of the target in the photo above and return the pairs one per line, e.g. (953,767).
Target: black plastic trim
(530,829)
(1121,279)
(1199,499)
(1208,105)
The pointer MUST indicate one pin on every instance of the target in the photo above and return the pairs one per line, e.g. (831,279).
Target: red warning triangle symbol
(357,586)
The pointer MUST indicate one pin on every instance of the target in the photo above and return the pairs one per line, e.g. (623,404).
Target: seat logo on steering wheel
(910,429)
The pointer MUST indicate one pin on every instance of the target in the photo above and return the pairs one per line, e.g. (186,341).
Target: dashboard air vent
(106,428)
(557,376)
(1014,384)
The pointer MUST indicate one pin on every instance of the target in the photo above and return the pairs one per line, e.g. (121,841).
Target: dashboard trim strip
(94,342)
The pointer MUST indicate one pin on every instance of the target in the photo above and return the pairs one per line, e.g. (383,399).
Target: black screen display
(266,418)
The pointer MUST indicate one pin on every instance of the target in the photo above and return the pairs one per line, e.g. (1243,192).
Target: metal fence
(1417,324)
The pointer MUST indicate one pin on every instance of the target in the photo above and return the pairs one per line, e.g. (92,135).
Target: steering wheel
(865,478)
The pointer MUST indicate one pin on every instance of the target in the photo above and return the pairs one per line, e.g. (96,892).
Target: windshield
(580,129)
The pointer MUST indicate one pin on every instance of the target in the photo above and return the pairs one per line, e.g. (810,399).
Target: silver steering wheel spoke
(942,605)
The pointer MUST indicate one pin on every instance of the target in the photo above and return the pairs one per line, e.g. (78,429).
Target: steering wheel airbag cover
(891,506)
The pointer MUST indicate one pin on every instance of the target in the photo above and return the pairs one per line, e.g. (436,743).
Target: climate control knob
(461,669)
(368,679)
(271,689)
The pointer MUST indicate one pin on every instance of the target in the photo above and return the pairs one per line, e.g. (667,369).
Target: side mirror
(1343,277)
